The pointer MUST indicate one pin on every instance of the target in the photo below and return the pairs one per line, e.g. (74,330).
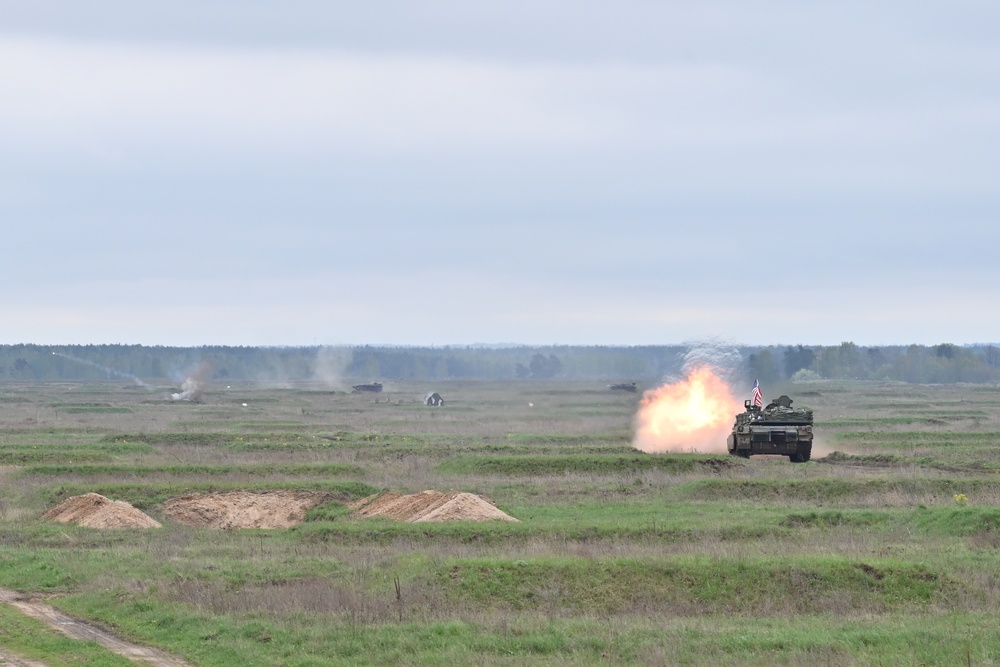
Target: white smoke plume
(105,369)
(194,384)
(722,356)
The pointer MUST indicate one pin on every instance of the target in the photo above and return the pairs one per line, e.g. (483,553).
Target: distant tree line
(138,363)
(944,363)
(935,364)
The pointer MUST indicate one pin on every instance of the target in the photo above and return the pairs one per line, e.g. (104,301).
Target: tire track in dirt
(8,660)
(83,631)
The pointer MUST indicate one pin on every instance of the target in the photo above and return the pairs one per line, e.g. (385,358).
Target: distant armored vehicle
(374,387)
(777,428)
(624,386)
(434,400)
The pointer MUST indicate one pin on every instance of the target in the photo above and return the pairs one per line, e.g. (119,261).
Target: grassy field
(883,550)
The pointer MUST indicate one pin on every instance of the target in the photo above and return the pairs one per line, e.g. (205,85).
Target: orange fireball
(693,414)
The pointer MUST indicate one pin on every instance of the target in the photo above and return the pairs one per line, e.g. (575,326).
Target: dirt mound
(243,509)
(95,511)
(431,506)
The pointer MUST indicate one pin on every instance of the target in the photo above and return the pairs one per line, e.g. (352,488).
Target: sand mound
(243,509)
(431,506)
(95,511)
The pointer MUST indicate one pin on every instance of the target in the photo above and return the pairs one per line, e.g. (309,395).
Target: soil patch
(244,509)
(8,660)
(431,506)
(95,511)
(78,629)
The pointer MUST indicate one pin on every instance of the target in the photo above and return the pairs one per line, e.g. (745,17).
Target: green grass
(32,639)
(239,437)
(237,416)
(824,490)
(96,409)
(876,460)
(696,586)
(937,448)
(67,452)
(946,462)
(936,438)
(566,439)
(376,635)
(522,465)
(861,557)
(960,521)
(249,470)
(934,419)
(832,518)
(183,438)
(637,513)
(650,522)
(86,404)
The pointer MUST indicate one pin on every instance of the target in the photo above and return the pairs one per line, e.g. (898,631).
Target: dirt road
(7,660)
(77,629)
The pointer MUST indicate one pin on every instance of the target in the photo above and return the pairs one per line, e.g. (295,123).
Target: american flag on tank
(758,398)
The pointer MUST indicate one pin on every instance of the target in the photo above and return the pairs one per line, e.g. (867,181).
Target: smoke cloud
(194,384)
(722,356)
(105,369)
(693,412)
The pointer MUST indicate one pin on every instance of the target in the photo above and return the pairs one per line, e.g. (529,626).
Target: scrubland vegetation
(883,550)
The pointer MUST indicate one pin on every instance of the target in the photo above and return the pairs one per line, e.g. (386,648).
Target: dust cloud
(822,448)
(193,387)
(330,366)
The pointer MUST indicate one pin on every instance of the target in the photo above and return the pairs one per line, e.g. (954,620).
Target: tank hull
(791,440)
(776,429)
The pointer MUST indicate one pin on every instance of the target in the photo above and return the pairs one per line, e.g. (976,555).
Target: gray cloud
(451,172)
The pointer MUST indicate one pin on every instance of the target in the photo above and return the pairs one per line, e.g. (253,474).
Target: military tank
(777,428)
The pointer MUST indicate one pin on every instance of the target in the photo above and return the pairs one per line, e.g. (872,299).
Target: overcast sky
(432,173)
